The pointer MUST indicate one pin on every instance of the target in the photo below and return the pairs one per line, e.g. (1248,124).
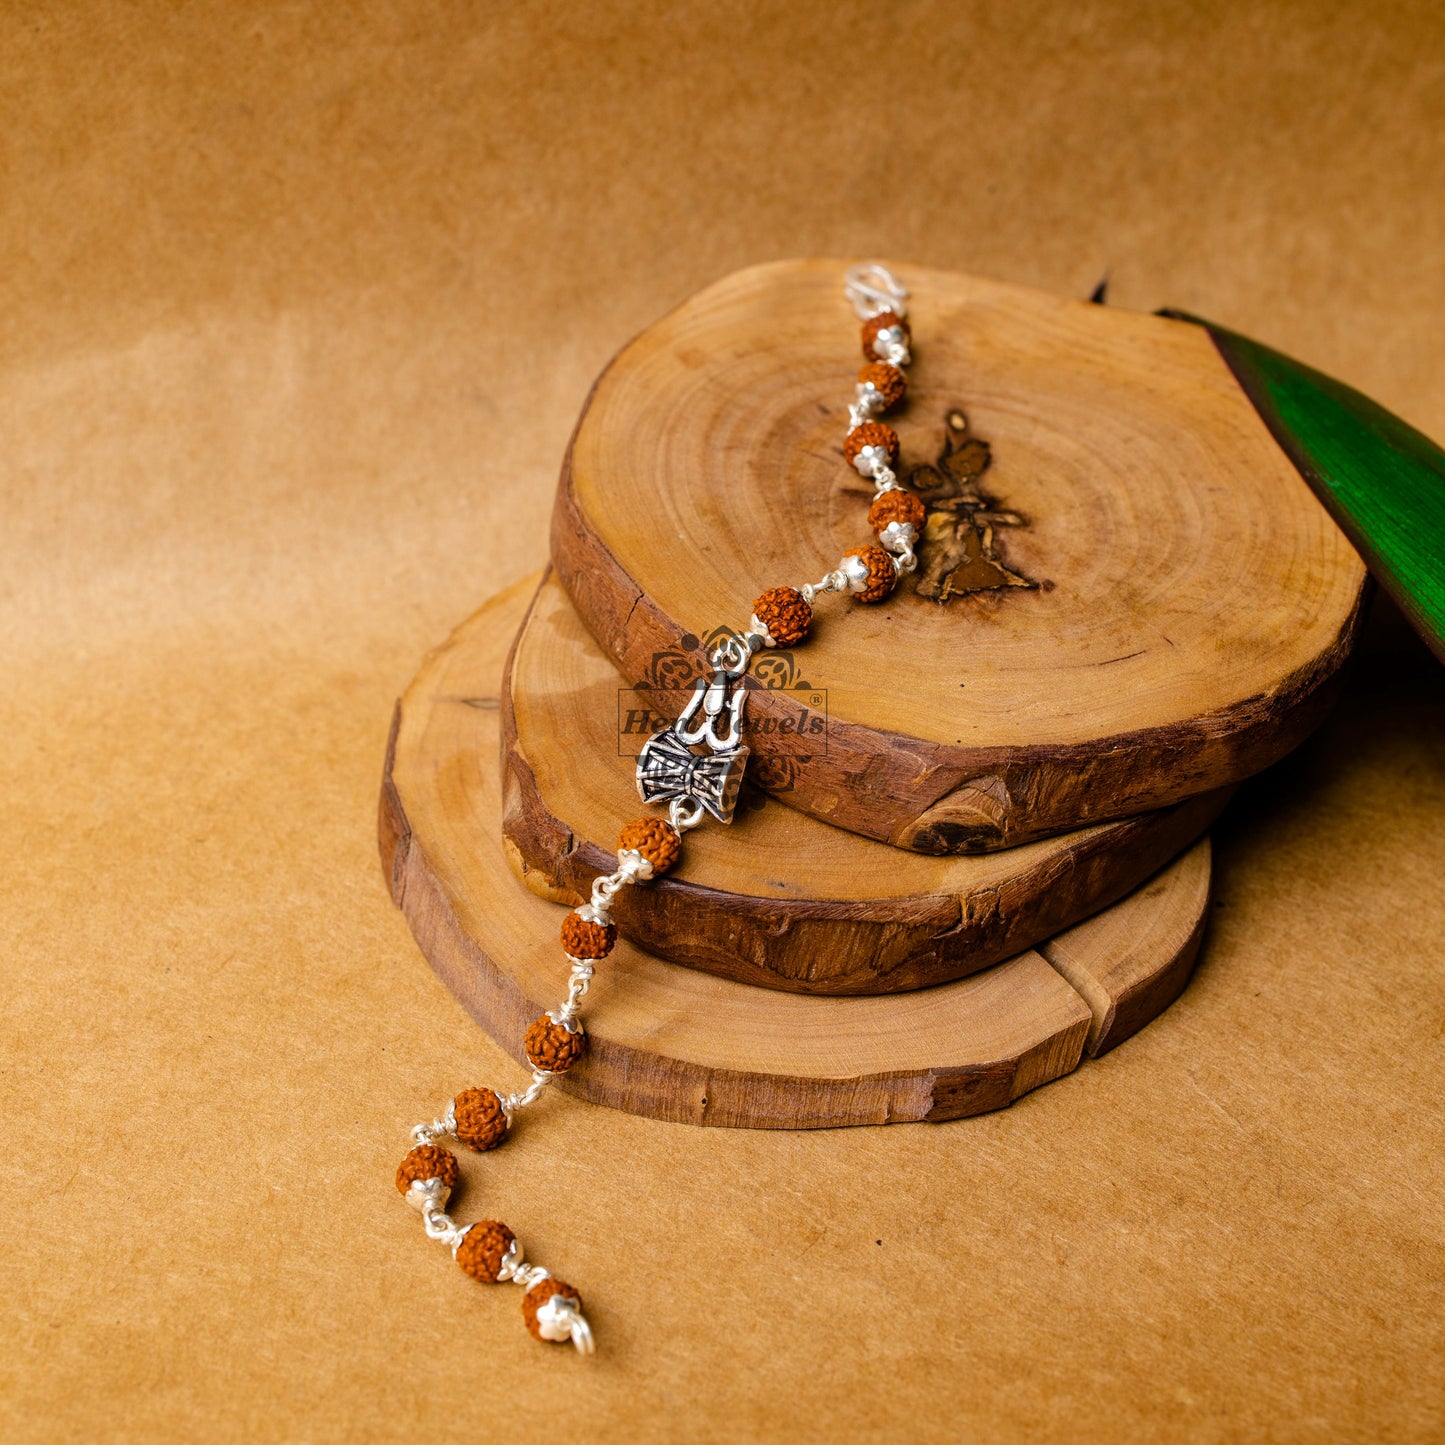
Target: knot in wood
(483,1248)
(427,1161)
(481,1122)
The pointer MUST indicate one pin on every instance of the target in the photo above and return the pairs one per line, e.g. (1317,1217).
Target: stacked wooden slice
(973,849)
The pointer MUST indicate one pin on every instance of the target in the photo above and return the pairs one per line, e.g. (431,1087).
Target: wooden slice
(1128,595)
(1131,962)
(667,1041)
(778,898)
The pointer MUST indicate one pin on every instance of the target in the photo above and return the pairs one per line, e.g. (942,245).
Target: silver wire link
(439,1226)
(871,288)
(442,1128)
(540,1079)
(835,581)
(577,981)
(684,813)
(731,654)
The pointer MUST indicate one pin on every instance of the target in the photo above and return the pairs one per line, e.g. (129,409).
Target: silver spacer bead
(633,867)
(525,1274)
(872,462)
(870,403)
(898,536)
(424,1194)
(758,628)
(855,571)
(560,1319)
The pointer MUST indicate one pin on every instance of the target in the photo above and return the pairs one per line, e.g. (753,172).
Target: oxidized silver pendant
(668,770)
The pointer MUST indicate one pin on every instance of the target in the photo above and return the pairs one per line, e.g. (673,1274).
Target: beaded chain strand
(692,785)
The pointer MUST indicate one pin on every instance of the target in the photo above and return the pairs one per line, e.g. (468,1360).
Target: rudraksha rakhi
(694,768)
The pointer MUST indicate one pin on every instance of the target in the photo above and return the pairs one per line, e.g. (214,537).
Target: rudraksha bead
(428,1161)
(785,612)
(881,574)
(553,1047)
(481,1121)
(658,841)
(582,938)
(881,322)
(872,434)
(539,1294)
(483,1248)
(896,505)
(888,381)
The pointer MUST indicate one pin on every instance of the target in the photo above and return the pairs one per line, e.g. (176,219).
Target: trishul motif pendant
(669,771)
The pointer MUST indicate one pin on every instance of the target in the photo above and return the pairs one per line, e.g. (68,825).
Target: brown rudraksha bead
(881,322)
(785,612)
(881,576)
(872,434)
(539,1294)
(888,381)
(481,1121)
(553,1047)
(428,1161)
(658,841)
(896,505)
(483,1248)
(582,938)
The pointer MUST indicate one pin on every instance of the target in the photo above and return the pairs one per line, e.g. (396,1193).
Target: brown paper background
(299,304)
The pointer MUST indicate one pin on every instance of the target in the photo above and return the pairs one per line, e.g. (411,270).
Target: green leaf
(1383,481)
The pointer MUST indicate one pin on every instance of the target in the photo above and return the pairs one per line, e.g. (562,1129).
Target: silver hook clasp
(872,288)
